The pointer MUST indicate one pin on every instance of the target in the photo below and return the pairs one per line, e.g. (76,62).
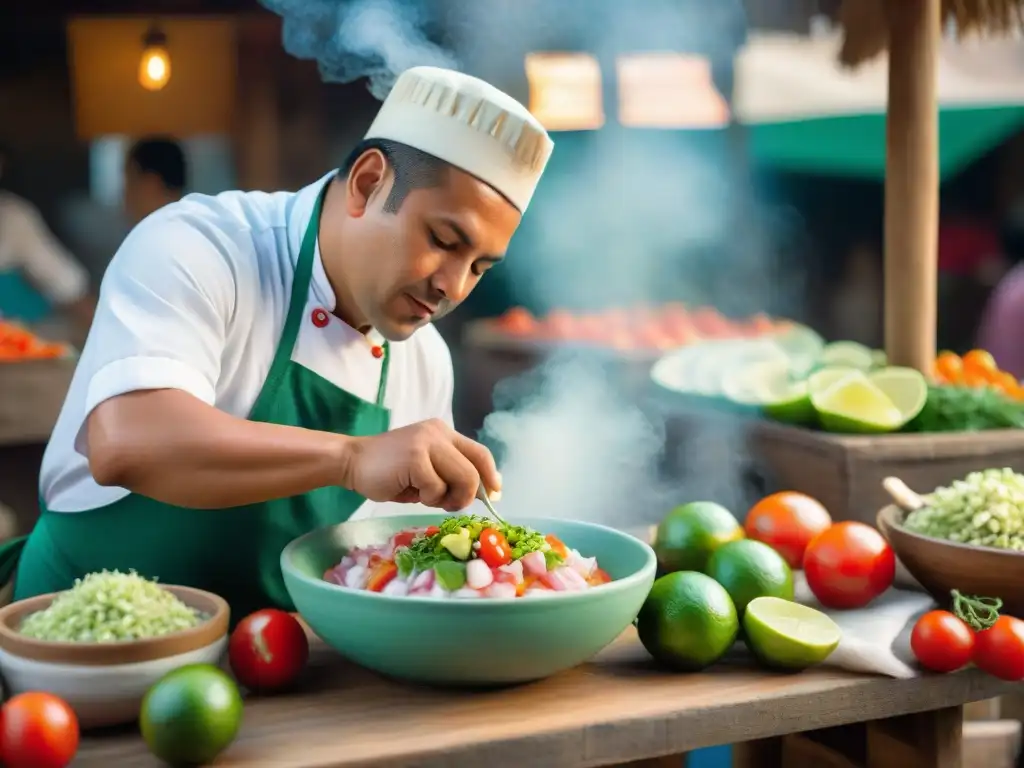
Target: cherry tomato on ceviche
(37,730)
(492,547)
(849,565)
(786,522)
(942,642)
(267,650)
(999,650)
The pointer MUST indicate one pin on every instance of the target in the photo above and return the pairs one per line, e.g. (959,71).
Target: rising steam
(351,39)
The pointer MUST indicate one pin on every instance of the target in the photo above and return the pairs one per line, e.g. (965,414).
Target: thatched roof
(866,30)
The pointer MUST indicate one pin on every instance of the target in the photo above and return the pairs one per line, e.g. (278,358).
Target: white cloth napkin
(876,639)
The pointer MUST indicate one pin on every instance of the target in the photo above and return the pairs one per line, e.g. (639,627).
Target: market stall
(34,378)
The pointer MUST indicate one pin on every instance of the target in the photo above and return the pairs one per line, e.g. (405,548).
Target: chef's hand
(428,462)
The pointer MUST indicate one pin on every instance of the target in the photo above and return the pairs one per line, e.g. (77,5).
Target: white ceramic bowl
(105,682)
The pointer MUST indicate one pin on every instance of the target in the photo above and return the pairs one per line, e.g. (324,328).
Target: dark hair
(161,157)
(413,168)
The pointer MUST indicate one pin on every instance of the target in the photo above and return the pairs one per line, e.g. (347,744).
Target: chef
(262,364)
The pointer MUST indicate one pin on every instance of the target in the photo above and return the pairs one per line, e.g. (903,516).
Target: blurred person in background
(155,175)
(1003,320)
(37,273)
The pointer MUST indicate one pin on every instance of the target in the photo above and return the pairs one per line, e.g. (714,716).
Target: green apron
(232,552)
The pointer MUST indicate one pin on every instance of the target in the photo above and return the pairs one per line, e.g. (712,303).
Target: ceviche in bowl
(468,557)
(466,600)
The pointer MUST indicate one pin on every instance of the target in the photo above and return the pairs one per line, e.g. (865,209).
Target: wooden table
(616,709)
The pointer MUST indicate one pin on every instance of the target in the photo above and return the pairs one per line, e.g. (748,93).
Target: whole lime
(749,569)
(691,533)
(191,715)
(688,621)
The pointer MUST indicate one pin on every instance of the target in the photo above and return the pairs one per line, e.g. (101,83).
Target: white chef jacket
(196,299)
(28,247)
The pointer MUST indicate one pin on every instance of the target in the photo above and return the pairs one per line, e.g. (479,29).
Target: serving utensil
(481,493)
(905,497)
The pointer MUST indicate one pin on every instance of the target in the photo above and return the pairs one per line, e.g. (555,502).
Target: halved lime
(825,378)
(768,384)
(906,387)
(849,354)
(785,634)
(856,405)
(879,359)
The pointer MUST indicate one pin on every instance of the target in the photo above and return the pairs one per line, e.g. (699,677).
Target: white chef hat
(469,124)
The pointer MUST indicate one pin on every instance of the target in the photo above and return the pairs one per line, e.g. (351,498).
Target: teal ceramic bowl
(467,642)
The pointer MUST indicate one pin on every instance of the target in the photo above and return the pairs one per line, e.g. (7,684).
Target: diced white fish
(573,581)
(515,568)
(535,592)
(554,580)
(396,587)
(423,582)
(356,577)
(534,564)
(500,589)
(584,566)
(478,574)
(439,592)
(466,593)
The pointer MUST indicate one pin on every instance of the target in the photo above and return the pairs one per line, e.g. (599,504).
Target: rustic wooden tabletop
(617,709)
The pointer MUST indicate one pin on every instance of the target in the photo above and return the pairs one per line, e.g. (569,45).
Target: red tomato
(431,530)
(849,565)
(381,574)
(267,650)
(403,538)
(37,730)
(999,650)
(599,577)
(787,522)
(517,321)
(494,549)
(942,642)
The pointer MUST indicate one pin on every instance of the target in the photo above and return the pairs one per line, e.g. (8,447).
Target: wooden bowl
(105,682)
(941,566)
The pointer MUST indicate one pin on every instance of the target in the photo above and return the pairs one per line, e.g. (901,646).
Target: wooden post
(912,183)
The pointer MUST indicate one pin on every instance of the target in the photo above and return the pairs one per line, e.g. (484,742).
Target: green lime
(907,388)
(825,378)
(191,715)
(691,533)
(856,405)
(785,634)
(749,569)
(688,621)
(768,384)
(879,359)
(849,354)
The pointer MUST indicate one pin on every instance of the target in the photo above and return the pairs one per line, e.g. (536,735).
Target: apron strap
(297,301)
(385,365)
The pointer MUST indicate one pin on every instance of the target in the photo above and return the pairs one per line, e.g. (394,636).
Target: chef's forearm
(170,446)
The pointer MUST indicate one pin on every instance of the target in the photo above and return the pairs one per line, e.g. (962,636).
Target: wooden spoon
(907,499)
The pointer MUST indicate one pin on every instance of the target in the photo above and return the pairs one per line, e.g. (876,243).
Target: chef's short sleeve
(164,305)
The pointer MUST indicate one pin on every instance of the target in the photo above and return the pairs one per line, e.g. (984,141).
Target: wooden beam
(912,183)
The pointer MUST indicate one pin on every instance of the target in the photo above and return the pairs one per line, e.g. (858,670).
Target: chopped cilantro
(425,551)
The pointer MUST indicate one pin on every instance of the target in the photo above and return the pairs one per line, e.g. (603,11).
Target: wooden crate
(845,472)
(31,396)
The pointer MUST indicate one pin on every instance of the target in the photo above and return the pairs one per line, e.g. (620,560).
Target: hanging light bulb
(155,64)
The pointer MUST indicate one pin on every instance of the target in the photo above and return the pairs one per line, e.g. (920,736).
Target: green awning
(854,145)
